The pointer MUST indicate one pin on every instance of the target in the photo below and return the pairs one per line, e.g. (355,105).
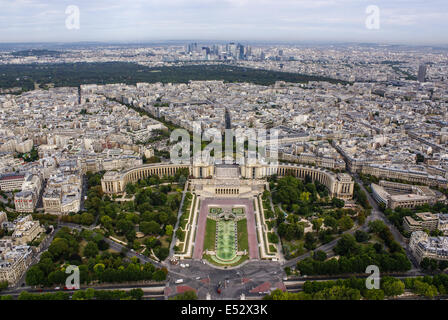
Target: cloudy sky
(401,21)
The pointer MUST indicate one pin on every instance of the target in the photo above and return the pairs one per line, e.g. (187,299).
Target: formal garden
(305,216)
(226,235)
(146,223)
(96,261)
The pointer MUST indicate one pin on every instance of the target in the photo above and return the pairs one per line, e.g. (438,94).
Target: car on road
(219,288)
(179,281)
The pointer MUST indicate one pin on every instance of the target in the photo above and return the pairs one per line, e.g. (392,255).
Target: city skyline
(400,22)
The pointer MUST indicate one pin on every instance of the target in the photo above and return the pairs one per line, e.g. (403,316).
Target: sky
(412,22)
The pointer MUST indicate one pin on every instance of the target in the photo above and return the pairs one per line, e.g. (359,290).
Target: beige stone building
(26,230)
(400,195)
(386,172)
(339,185)
(3,217)
(14,261)
(426,221)
(11,181)
(423,246)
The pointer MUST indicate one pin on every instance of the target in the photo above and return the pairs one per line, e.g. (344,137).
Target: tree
(136,294)
(429,264)
(320,255)
(338,293)
(130,188)
(266,195)
(34,276)
(91,249)
(103,245)
(361,236)
(346,246)
(377,226)
(162,253)
(425,289)
(159,275)
(345,223)
(374,294)
(151,227)
(59,247)
(443,264)
(392,287)
(87,219)
(3,285)
(278,294)
(310,241)
(99,268)
(330,222)
(57,277)
(125,226)
(188,295)
(305,197)
(182,180)
(339,203)
(317,224)
(169,230)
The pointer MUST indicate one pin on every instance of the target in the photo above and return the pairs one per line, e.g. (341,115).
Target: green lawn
(243,243)
(238,260)
(210,235)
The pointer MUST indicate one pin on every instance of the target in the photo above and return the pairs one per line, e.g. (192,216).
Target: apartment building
(26,230)
(400,195)
(426,221)
(423,246)
(26,200)
(11,181)
(14,261)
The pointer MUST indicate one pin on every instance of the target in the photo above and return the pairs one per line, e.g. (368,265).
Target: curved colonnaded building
(230,180)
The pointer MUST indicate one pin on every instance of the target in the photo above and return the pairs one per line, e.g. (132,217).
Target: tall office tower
(248,51)
(240,51)
(192,47)
(206,49)
(422,73)
(231,50)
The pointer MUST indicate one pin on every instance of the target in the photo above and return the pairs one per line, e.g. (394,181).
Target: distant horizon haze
(411,22)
